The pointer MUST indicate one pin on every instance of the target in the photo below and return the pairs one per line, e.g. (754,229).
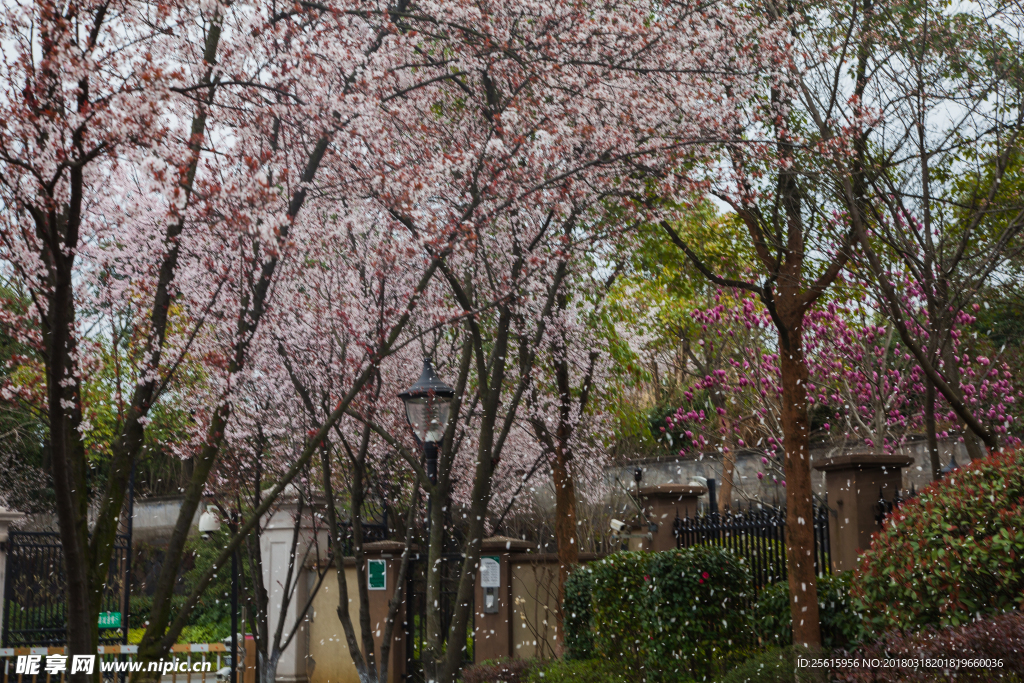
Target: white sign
(490,572)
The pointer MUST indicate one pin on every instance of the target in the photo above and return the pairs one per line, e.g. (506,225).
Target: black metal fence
(415,625)
(884,508)
(758,535)
(35,606)
(371,532)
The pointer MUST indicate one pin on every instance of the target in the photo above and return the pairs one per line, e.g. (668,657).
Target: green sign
(110,620)
(376,572)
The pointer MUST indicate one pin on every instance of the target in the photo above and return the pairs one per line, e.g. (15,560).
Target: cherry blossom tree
(161,154)
(560,404)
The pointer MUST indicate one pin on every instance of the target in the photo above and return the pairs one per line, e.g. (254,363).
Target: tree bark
(929,428)
(565,530)
(799,502)
(728,470)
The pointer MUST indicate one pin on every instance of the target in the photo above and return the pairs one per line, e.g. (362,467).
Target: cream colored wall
(329,658)
(534,601)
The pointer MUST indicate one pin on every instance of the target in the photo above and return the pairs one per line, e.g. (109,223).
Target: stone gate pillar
(662,504)
(275,552)
(492,627)
(854,482)
(383,563)
(7,517)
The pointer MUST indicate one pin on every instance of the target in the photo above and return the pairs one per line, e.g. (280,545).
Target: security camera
(618,526)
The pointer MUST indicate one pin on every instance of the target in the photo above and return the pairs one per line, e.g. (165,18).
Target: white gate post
(7,517)
(276,549)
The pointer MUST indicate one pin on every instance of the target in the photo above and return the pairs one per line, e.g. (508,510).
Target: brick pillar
(662,504)
(854,482)
(7,517)
(492,631)
(384,559)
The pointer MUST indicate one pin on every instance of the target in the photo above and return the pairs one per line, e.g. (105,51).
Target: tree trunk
(69,475)
(929,427)
(799,500)
(728,469)
(565,531)
(728,460)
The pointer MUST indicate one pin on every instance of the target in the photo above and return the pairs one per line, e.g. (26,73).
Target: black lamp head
(426,405)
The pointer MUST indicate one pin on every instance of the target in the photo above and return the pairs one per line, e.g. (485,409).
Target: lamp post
(427,404)
(426,408)
(209,523)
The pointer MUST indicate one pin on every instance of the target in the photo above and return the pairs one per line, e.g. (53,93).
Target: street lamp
(209,523)
(427,404)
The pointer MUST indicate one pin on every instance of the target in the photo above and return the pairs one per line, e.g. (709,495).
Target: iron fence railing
(756,534)
(34,600)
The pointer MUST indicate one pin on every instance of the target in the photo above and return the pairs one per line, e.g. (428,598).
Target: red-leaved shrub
(950,555)
(932,655)
(498,671)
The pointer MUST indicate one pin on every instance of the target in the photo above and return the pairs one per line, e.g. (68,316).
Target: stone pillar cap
(677,491)
(384,547)
(506,543)
(863,461)
(8,517)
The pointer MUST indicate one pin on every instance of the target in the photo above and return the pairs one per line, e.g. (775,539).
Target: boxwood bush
(840,624)
(955,552)
(579,639)
(677,614)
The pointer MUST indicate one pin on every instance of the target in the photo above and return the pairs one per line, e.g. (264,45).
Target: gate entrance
(415,625)
(35,607)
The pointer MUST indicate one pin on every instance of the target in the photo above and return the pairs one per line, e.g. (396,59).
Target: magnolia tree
(924,129)
(868,386)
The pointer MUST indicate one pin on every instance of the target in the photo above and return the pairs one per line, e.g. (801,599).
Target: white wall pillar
(7,517)
(275,550)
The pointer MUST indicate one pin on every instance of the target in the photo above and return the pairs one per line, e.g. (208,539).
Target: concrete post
(7,517)
(854,482)
(276,549)
(492,631)
(662,504)
(386,556)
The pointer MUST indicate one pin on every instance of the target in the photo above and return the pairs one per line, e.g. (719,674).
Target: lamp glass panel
(416,413)
(440,419)
(428,416)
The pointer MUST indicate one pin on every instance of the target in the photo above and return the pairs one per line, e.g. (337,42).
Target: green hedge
(775,665)
(676,614)
(579,639)
(583,671)
(840,624)
(950,555)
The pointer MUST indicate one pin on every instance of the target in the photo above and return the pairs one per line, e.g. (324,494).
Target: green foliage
(583,671)
(677,614)
(25,482)
(774,665)
(840,624)
(210,621)
(950,555)
(579,640)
